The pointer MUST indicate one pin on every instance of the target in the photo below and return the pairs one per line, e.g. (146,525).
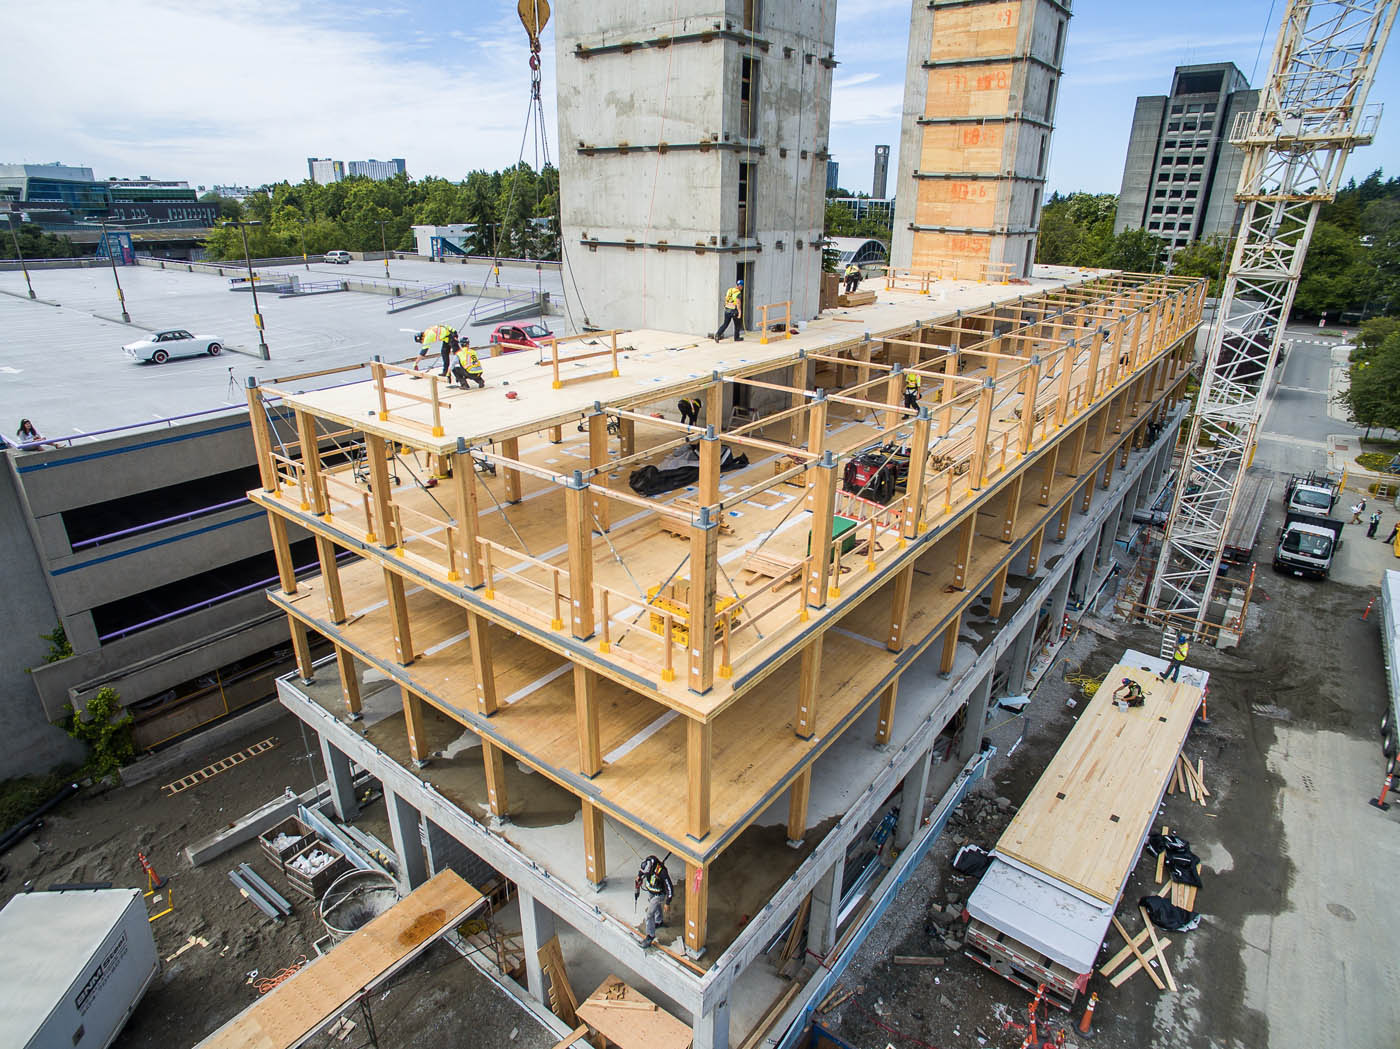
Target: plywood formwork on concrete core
(561,619)
(300,1006)
(1088,814)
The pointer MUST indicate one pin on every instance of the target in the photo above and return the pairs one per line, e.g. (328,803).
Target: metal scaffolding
(1312,113)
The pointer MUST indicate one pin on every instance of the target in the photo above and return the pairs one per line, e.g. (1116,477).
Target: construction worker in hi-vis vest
(733,307)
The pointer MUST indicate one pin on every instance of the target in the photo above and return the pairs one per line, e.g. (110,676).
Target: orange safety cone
(1380,802)
(1087,1019)
(1366,613)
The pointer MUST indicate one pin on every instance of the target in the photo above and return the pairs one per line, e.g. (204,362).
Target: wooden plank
(575,1035)
(1106,969)
(1133,966)
(1157,948)
(561,995)
(628,1019)
(306,1002)
(1142,958)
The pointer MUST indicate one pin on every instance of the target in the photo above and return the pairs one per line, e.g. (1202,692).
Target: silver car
(160,346)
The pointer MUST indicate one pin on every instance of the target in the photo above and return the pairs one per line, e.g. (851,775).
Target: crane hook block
(534,14)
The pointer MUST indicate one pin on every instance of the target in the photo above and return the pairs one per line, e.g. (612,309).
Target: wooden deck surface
(300,1006)
(1086,817)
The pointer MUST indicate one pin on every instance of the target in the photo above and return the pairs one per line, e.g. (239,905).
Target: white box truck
(73,965)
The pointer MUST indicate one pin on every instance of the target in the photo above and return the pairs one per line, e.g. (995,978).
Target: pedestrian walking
(1375,523)
(1357,509)
(733,307)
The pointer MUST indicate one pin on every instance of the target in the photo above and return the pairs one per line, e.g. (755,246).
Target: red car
(519,336)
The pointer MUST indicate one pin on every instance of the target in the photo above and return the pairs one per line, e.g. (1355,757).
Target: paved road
(1300,416)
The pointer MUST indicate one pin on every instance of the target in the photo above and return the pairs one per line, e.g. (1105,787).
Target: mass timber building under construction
(553,676)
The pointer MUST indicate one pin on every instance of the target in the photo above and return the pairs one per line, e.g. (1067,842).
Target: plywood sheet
(1086,818)
(286,1015)
(631,1024)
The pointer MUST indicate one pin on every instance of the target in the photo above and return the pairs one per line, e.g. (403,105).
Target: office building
(833,175)
(1181,172)
(654,231)
(324,170)
(881,211)
(882,170)
(979,107)
(376,169)
(66,199)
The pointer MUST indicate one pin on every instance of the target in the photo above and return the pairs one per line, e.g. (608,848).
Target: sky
(231,92)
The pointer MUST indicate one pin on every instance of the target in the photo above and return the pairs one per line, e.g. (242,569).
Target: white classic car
(160,346)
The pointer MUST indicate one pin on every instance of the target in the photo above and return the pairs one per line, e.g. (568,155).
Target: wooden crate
(292,826)
(315,885)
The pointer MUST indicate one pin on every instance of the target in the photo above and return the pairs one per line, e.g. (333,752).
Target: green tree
(106,732)
(1334,273)
(1372,396)
(229,208)
(1202,258)
(1134,251)
(34,243)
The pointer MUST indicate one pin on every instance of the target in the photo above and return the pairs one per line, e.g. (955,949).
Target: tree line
(514,213)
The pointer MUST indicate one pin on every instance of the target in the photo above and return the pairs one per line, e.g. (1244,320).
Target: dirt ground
(94,838)
(1316,669)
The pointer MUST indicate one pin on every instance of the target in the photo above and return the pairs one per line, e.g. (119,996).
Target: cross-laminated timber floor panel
(1085,820)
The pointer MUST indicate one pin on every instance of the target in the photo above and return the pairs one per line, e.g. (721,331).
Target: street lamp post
(121,299)
(252,283)
(384,246)
(20,255)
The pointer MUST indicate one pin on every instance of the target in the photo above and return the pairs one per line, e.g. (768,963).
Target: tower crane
(1312,113)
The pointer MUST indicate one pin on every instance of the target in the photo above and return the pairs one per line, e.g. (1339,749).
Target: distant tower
(882,172)
(688,159)
(979,105)
(833,175)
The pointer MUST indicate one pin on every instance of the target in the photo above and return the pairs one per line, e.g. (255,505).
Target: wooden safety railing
(291,472)
(447,545)
(910,279)
(621,616)
(360,496)
(754,611)
(555,588)
(785,308)
(383,391)
(555,361)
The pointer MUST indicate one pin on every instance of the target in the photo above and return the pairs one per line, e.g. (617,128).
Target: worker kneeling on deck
(1129,693)
(468,368)
(1183,649)
(913,383)
(655,880)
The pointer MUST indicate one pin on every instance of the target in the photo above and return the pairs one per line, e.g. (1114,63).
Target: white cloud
(239,92)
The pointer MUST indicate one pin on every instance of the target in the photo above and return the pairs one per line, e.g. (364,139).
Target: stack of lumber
(856,298)
(1190,779)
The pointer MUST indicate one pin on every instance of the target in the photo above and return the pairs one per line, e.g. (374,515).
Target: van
(337,257)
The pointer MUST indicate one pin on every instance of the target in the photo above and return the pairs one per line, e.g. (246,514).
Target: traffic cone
(1088,1018)
(1368,609)
(1380,802)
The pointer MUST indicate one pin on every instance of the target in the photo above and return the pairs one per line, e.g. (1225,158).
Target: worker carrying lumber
(852,277)
(733,307)
(1129,692)
(1183,649)
(690,410)
(655,879)
(468,368)
(913,383)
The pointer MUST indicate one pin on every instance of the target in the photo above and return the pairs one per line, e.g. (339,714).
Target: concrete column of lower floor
(911,801)
(1018,663)
(976,720)
(406,829)
(1084,568)
(1059,600)
(342,781)
(711,1031)
(825,909)
(536,929)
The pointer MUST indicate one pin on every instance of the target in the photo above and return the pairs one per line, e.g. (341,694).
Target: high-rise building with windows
(377,169)
(324,170)
(1181,172)
(833,175)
